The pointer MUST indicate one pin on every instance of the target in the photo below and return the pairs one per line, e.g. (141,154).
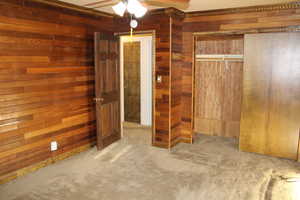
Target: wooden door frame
(212,34)
(153,34)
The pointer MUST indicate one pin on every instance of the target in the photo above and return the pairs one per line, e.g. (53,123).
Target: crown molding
(60,4)
(263,8)
(250,31)
(174,12)
(170,11)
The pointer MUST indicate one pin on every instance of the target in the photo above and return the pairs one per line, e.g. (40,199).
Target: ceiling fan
(179,4)
(136,8)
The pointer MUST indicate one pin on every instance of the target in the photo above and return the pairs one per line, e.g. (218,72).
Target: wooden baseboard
(186,140)
(21,172)
(134,125)
(174,142)
(160,145)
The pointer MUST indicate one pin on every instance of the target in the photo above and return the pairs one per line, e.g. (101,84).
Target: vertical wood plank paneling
(187,85)
(175,77)
(218,93)
(46,82)
(218,87)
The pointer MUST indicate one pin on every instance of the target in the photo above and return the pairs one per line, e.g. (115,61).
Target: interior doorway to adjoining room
(136,62)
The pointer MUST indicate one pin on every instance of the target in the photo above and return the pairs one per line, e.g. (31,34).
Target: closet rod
(220,56)
(219,60)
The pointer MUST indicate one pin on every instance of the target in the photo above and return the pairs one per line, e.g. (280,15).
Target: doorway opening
(136,75)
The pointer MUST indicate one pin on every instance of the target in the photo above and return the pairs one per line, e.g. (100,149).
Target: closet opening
(218,78)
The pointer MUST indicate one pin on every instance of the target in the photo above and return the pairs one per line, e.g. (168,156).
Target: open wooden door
(107,89)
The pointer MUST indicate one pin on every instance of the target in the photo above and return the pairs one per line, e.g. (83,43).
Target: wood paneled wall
(176,67)
(46,81)
(47,77)
(251,19)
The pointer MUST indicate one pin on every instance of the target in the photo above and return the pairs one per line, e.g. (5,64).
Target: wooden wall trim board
(153,85)
(299,147)
(22,172)
(57,3)
(170,83)
(167,11)
(214,34)
(263,8)
(193,84)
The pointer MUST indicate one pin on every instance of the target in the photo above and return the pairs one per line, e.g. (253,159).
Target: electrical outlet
(53,146)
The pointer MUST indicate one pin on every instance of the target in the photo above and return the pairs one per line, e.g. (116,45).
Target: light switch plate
(159,79)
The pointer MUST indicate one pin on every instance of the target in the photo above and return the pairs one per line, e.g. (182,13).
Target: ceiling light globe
(133,23)
(140,12)
(119,9)
(133,5)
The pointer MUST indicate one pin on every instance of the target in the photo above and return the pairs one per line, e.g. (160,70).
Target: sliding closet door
(271,96)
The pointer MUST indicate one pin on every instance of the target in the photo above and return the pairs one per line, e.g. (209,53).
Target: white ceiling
(198,5)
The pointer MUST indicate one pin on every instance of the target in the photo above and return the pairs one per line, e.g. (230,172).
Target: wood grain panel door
(132,81)
(107,80)
(271,102)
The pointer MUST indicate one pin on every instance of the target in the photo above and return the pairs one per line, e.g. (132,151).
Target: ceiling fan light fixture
(133,6)
(140,12)
(119,8)
(133,23)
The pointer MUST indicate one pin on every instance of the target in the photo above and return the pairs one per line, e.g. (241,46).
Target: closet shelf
(220,57)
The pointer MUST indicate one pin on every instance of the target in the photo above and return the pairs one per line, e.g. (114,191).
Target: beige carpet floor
(210,169)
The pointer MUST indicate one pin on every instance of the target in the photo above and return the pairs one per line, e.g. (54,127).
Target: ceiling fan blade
(179,4)
(102,3)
